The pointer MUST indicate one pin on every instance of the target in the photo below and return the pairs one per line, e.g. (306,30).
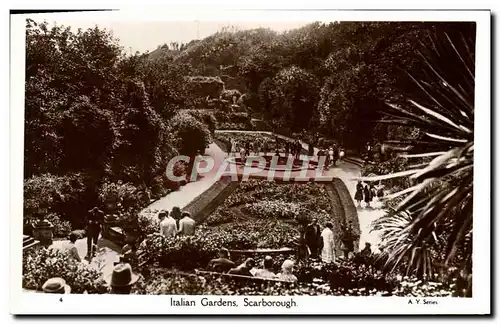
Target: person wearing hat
(244,268)
(122,279)
(56,286)
(186,225)
(95,219)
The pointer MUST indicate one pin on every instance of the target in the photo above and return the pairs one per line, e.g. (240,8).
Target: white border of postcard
(33,303)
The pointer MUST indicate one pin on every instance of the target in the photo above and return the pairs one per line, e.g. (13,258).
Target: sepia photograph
(244,164)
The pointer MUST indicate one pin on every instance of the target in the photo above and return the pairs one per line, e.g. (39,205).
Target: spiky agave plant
(431,227)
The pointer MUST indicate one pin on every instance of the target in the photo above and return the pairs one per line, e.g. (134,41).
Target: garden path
(348,172)
(109,252)
(191,190)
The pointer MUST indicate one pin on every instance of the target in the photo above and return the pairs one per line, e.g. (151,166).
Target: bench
(264,251)
(240,277)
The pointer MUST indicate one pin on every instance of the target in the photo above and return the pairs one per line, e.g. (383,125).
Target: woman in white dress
(233,146)
(328,252)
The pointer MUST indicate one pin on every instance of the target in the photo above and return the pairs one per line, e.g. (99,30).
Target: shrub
(192,136)
(80,233)
(39,265)
(114,193)
(230,94)
(205,86)
(62,228)
(239,118)
(206,117)
(139,225)
(68,196)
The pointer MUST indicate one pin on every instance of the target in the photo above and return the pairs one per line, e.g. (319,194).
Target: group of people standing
(224,264)
(367,193)
(332,155)
(322,243)
(176,223)
(247,148)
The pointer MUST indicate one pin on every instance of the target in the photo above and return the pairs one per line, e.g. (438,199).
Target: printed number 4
(60,299)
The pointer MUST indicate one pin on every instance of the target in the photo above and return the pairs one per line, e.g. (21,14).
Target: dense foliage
(97,118)
(39,265)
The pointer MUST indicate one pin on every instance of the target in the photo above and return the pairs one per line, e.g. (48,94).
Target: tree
(290,97)
(431,228)
(87,136)
(192,136)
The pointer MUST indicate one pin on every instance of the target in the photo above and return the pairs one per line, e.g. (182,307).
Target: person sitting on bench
(244,268)
(287,271)
(222,263)
(267,271)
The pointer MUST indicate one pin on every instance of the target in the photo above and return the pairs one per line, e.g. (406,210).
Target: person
(266,272)
(328,252)
(186,225)
(71,247)
(330,154)
(122,279)
(176,214)
(367,194)
(243,154)
(367,250)
(327,158)
(95,219)
(56,286)
(380,190)
(168,225)
(265,147)
(359,193)
(298,148)
(335,155)
(310,151)
(244,268)
(373,191)
(222,263)
(287,149)
(247,148)
(303,250)
(348,239)
(233,145)
(161,218)
(286,271)
(129,254)
(313,237)
(341,154)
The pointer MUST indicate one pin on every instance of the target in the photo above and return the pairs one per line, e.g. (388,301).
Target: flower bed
(260,199)
(258,214)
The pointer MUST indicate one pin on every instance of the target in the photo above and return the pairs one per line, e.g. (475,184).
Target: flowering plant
(39,265)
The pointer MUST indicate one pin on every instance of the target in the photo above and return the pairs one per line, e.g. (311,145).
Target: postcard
(250,162)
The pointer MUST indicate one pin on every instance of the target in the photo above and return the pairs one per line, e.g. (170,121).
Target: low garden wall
(207,202)
(349,209)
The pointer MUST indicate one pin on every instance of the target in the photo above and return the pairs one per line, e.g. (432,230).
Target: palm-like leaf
(433,223)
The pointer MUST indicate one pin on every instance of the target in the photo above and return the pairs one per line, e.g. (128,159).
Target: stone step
(29,242)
